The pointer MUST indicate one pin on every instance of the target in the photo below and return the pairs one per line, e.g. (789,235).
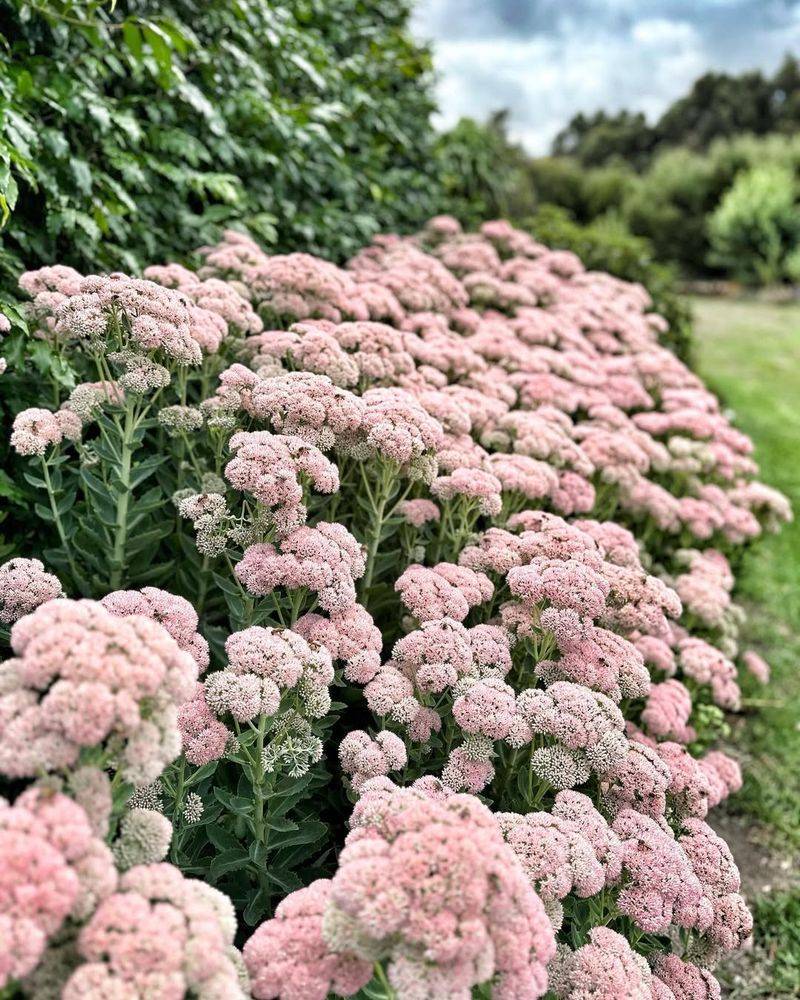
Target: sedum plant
(381,625)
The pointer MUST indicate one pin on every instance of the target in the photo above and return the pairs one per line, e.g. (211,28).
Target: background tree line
(711,188)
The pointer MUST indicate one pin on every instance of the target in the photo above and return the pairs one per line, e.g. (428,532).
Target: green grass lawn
(749,353)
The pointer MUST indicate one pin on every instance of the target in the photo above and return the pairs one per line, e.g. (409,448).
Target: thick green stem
(379,499)
(58,522)
(123,500)
(260,826)
(380,975)
(258,785)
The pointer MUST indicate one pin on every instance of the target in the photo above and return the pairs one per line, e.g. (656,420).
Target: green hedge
(134,132)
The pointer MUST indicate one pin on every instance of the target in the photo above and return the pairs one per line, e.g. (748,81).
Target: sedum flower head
(81,678)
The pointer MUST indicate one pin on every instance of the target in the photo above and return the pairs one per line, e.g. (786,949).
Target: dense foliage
(451,515)
(755,230)
(669,205)
(718,106)
(127,132)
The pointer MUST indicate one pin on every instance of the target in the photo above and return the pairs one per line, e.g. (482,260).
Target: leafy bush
(608,245)
(669,206)
(719,106)
(482,172)
(756,228)
(128,135)
(381,499)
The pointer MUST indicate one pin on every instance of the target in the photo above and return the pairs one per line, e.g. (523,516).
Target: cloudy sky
(547,59)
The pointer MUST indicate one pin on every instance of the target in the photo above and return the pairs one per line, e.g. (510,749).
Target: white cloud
(544,80)
(545,60)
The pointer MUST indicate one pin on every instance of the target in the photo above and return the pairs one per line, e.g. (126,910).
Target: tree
(755,231)
(596,139)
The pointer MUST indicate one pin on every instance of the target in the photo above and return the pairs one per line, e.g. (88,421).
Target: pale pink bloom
(660,886)
(443,591)
(378,351)
(574,495)
(768,504)
(160,934)
(264,663)
(532,479)
(419,282)
(592,656)
(203,736)
(686,981)
(667,710)
(52,866)
(578,809)
(754,663)
(35,430)
(442,226)
(277,469)
(175,613)
(705,588)
(495,550)
(436,655)
(656,652)
(364,757)
(563,584)
(325,559)
(616,544)
(24,585)
(605,968)
(418,512)
(585,723)
(466,772)
(306,405)
(724,776)
(471,484)
(82,676)
(350,636)
(491,649)
(689,787)
(638,782)
(638,600)
(468,909)
(213,295)
(288,957)
(705,664)
(395,426)
(487,707)
(555,856)
(160,319)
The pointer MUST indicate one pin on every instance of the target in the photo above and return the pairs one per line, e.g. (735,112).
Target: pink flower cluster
(174,613)
(587,729)
(52,867)
(363,757)
(442,591)
(326,560)
(160,934)
(220,297)
(263,665)
(276,469)
(350,636)
(147,317)
(24,585)
(424,884)
(82,677)
(606,968)
(35,430)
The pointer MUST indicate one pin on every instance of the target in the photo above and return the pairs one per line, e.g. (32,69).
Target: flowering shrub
(343,549)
